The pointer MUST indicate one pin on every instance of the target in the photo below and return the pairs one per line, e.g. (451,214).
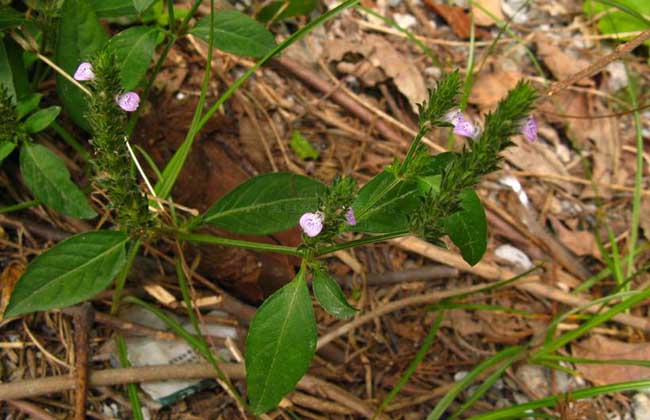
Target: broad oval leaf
(80,35)
(48,178)
(277,10)
(265,204)
(133,49)
(41,119)
(72,271)
(113,8)
(6,147)
(280,345)
(468,227)
(330,296)
(142,5)
(6,73)
(236,33)
(28,104)
(390,213)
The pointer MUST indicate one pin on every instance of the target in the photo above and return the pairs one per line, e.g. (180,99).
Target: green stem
(170,12)
(254,246)
(638,179)
(359,242)
(120,281)
(70,140)
(20,206)
(132,389)
(186,20)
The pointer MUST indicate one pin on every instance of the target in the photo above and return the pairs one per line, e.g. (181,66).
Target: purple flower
(349,217)
(529,129)
(311,223)
(84,72)
(462,126)
(128,101)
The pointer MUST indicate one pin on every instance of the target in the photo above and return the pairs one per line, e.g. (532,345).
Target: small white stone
(641,406)
(459,376)
(513,256)
(617,76)
(405,20)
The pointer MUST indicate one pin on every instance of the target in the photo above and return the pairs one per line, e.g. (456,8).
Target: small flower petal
(311,223)
(529,129)
(466,129)
(349,217)
(128,101)
(84,72)
(454,116)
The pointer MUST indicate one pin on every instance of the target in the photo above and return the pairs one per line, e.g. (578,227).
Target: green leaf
(80,35)
(6,147)
(142,5)
(280,345)
(41,119)
(133,49)
(265,204)
(330,296)
(72,271)
(302,147)
(293,8)
(15,56)
(236,33)
(389,213)
(28,104)
(10,18)
(6,73)
(468,227)
(623,16)
(48,178)
(113,8)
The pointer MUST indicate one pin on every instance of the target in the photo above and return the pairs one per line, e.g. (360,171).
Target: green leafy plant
(97,78)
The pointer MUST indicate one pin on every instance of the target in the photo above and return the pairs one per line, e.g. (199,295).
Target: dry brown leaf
(383,56)
(462,321)
(8,280)
(457,18)
(490,88)
(580,242)
(537,157)
(492,6)
(562,64)
(599,347)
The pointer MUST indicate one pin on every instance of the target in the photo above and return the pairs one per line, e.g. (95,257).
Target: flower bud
(84,72)
(128,101)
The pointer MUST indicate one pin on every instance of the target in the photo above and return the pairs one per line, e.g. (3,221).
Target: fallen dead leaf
(8,280)
(580,242)
(386,62)
(492,6)
(458,19)
(599,347)
(561,63)
(490,87)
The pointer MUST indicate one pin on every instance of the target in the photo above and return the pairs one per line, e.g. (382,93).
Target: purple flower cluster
(464,127)
(312,223)
(128,101)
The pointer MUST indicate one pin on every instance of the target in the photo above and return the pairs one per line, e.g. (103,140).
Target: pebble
(641,406)
(460,375)
(405,20)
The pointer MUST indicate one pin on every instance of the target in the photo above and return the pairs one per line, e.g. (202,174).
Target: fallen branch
(35,387)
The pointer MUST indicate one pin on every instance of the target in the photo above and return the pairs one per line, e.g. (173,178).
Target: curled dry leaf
(8,280)
(458,19)
(599,347)
(490,88)
(492,6)
(561,63)
(386,62)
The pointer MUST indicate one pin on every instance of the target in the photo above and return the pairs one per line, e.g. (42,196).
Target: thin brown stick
(83,319)
(620,51)
(34,387)
(34,411)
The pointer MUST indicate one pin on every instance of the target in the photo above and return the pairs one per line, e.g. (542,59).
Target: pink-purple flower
(128,101)
(84,72)
(529,129)
(462,126)
(350,219)
(311,223)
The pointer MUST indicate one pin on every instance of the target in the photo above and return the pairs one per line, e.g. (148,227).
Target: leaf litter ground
(349,89)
